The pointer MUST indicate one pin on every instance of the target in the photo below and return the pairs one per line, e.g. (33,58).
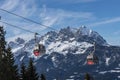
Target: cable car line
(39,49)
(28,19)
(19,27)
(38,46)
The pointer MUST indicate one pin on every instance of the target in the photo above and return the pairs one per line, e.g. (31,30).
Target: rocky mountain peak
(20,40)
(66,53)
(83,34)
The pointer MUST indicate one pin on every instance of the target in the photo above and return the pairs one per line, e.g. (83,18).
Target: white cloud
(113,20)
(83,1)
(117,33)
(69,1)
(26,8)
(9,4)
(50,16)
(26,37)
(16,31)
(44,15)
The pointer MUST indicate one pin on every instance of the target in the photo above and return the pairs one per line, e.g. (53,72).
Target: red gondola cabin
(39,49)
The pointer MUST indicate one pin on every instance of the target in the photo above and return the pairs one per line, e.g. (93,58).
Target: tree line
(8,69)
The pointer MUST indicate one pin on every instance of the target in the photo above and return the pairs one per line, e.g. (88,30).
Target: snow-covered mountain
(66,52)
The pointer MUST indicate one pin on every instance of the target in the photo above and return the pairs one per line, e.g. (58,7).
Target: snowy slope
(61,41)
(66,53)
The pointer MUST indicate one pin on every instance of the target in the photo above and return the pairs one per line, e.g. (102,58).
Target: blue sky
(102,16)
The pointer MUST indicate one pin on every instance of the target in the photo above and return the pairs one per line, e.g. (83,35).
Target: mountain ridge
(66,53)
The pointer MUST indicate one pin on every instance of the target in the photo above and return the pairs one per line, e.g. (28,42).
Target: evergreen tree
(11,67)
(23,75)
(87,76)
(2,54)
(2,42)
(42,77)
(31,71)
(8,71)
